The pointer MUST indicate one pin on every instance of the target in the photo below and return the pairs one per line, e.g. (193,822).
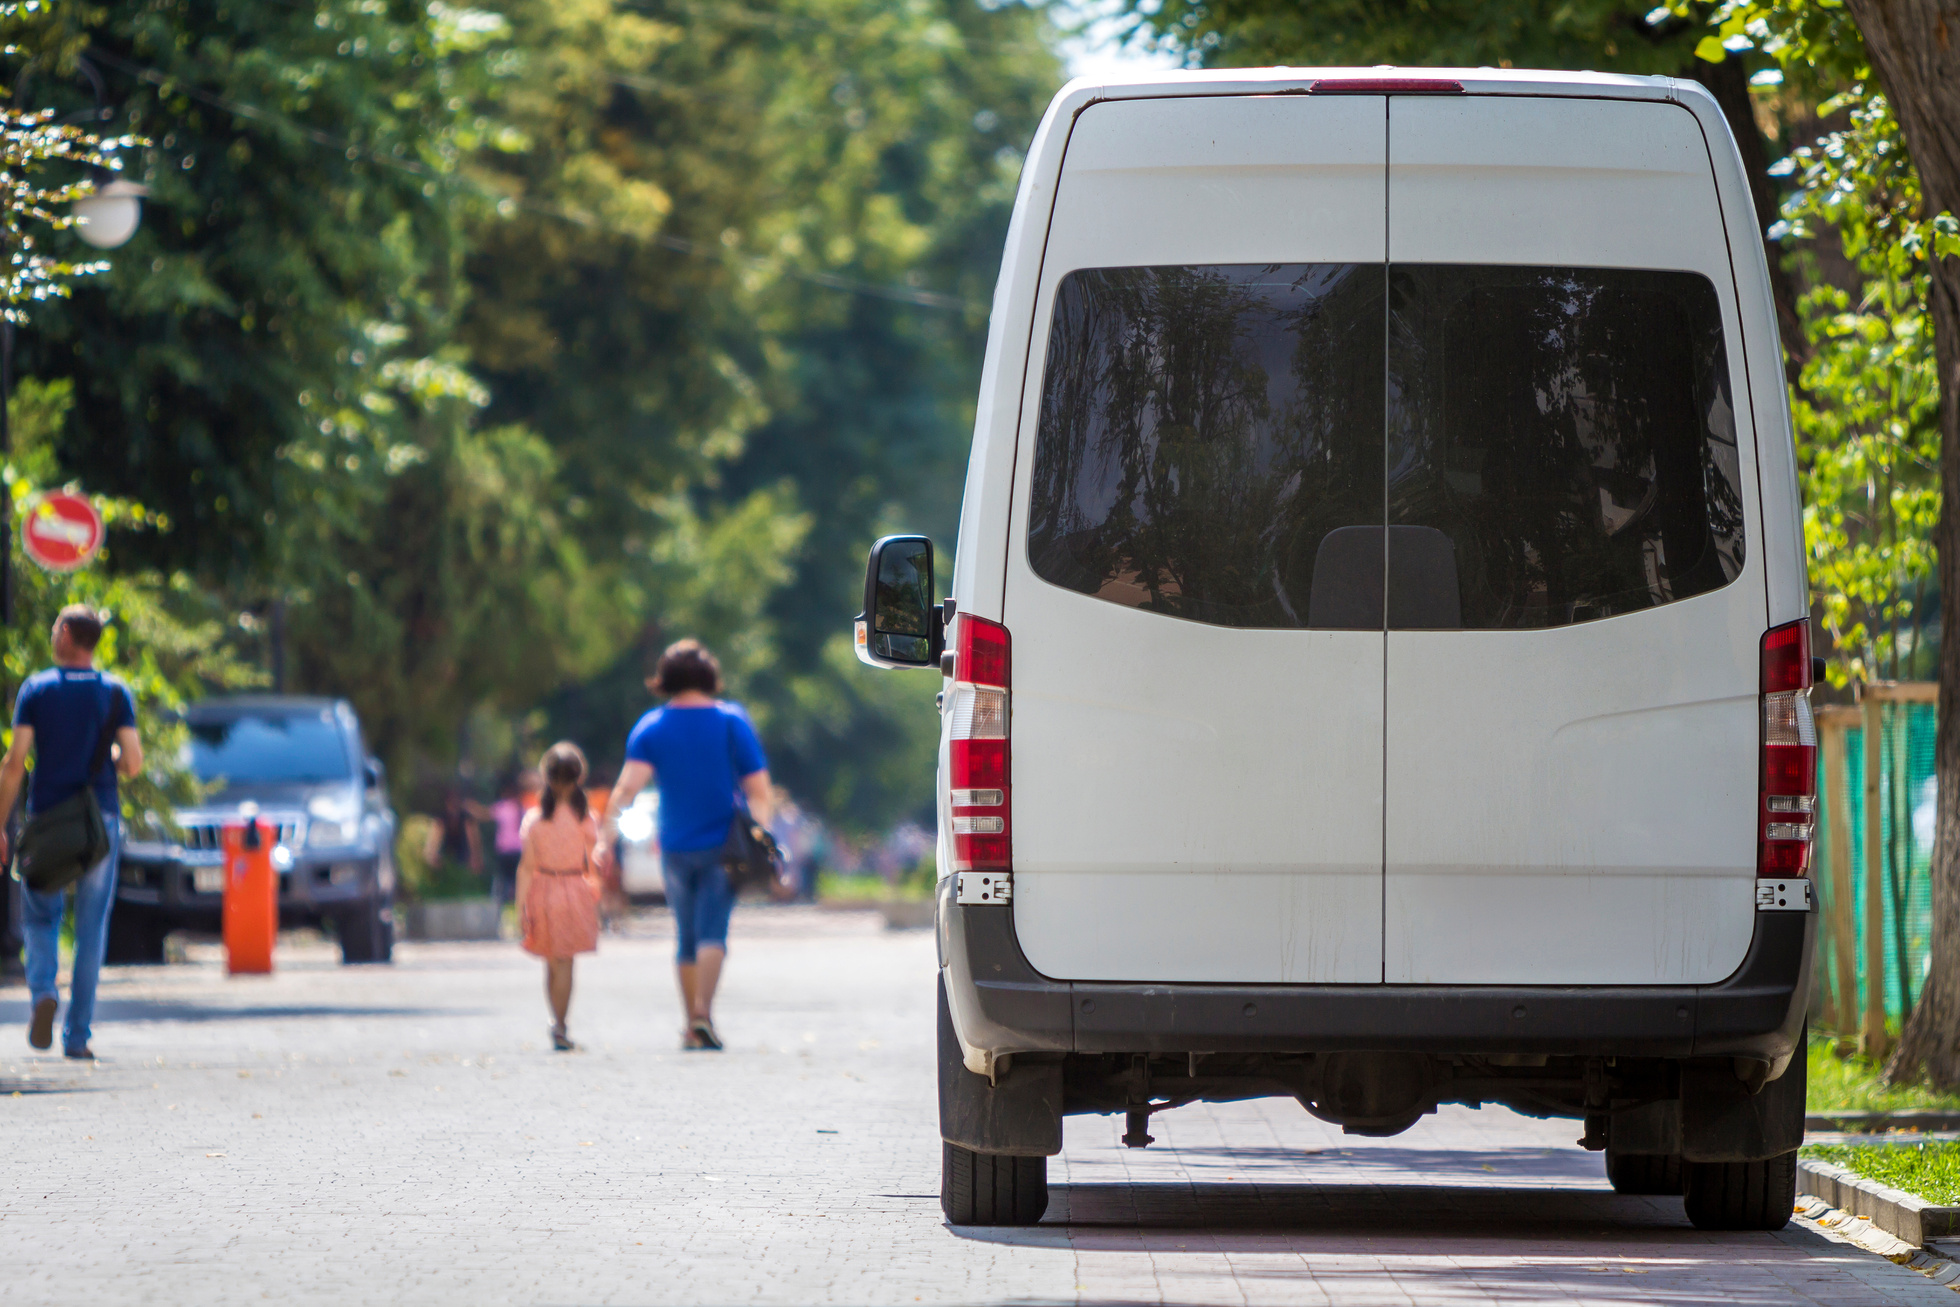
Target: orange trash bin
(251,897)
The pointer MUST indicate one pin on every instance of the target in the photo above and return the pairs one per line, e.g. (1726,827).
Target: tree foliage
(480,350)
(163,637)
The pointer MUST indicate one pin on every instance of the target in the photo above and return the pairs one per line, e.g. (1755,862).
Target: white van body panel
(1172,823)
(1786,571)
(978,558)
(1571,805)
(1176,827)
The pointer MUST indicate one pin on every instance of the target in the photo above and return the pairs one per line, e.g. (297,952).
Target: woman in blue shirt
(699,750)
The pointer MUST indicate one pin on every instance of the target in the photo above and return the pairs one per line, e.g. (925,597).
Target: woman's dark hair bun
(686,665)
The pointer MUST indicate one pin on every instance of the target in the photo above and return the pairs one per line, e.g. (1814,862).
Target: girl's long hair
(563,766)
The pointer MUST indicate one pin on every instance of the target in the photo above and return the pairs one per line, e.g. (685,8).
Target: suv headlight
(325,834)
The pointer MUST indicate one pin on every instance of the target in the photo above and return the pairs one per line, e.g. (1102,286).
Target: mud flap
(1721,1121)
(1020,1114)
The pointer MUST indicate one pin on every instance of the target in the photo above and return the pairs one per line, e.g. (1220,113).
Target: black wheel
(367,935)
(135,938)
(991,1188)
(1644,1173)
(1740,1195)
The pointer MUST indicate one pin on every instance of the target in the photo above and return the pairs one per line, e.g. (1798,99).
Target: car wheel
(1644,1173)
(135,938)
(991,1188)
(367,935)
(1740,1195)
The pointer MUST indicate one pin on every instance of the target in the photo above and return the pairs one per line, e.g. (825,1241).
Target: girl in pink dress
(557,890)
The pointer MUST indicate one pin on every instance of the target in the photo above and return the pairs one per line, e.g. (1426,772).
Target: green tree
(771,233)
(162,637)
(490,347)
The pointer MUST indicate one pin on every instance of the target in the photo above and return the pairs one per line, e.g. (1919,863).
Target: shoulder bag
(750,856)
(57,847)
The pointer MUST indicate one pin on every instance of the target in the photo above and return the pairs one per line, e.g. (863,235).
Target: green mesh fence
(1905,851)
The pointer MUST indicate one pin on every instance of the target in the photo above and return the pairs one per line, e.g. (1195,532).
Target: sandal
(704,1031)
(561,1041)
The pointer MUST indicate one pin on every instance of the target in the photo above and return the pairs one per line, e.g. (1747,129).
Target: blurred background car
(639,850)
(302,764)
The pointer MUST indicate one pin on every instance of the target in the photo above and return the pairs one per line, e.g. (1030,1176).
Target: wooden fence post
(1871,1034)
(1840,923)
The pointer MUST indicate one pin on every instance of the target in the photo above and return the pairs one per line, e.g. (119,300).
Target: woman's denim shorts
(698,892)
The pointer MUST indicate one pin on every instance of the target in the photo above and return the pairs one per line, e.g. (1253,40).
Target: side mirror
(900,626)
(374,774)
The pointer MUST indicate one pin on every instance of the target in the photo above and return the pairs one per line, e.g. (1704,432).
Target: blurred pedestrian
(63,716)
(507,815)
(557,892)
(454,837)
(699,750)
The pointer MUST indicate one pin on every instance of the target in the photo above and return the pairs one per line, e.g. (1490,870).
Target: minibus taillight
(983,832)
(1786,815)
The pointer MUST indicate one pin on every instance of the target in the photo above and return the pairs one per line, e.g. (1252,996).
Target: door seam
(1388,313)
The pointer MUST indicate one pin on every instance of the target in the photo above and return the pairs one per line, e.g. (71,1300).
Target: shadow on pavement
(1342,1210)
(143,1009)
(1480,1168)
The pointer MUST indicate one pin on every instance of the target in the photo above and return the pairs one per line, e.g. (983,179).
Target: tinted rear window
(1202,430)
(1570,430)
(1243,445)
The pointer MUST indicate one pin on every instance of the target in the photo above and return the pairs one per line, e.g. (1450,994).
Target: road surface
(405,1134)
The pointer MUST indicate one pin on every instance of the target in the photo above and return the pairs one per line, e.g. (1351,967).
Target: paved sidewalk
(403,1134)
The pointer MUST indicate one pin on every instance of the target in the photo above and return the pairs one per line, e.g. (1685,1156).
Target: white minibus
(1377,666)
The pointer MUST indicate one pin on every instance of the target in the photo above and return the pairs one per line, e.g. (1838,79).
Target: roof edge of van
(1475,81)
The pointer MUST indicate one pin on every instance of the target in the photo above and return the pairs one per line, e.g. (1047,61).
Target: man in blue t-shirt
(700,750)
(59,717)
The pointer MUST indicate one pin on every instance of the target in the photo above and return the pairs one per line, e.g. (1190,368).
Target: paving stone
(404,1135)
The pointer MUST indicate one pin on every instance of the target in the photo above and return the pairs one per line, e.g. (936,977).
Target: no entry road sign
(61,531)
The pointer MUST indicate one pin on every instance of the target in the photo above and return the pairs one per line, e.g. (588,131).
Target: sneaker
(40,1031)
(80,1053)
(704,1030)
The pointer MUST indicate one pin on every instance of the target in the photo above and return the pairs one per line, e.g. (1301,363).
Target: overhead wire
(678,244)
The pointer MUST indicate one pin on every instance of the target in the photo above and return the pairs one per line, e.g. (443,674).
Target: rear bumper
(1002,1005)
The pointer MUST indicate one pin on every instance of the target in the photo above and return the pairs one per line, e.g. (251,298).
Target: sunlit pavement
(403,1134)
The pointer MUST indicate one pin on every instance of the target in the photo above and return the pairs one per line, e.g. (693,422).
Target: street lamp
(108,216)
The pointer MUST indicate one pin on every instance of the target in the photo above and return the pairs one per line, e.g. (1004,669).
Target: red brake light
(980,652)
(982,809)
(1386,86)
(1786,810)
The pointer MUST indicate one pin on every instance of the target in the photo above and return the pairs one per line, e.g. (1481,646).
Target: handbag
(57,847)
(750,856)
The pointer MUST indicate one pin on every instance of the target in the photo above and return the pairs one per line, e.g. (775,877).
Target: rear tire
(1644,1173)
(1740,1195)
(367,936)
(991,1188)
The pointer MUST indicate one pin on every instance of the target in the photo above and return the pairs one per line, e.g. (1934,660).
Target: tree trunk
(1728,82)
(1915,52)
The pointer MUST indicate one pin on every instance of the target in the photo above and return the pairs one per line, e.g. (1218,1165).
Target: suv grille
(209,836)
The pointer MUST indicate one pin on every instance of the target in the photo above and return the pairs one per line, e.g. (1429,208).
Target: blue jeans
(698,892)
(95,895)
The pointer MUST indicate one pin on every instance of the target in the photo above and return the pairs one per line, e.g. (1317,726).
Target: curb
(1878,1122)
(1900,1214)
